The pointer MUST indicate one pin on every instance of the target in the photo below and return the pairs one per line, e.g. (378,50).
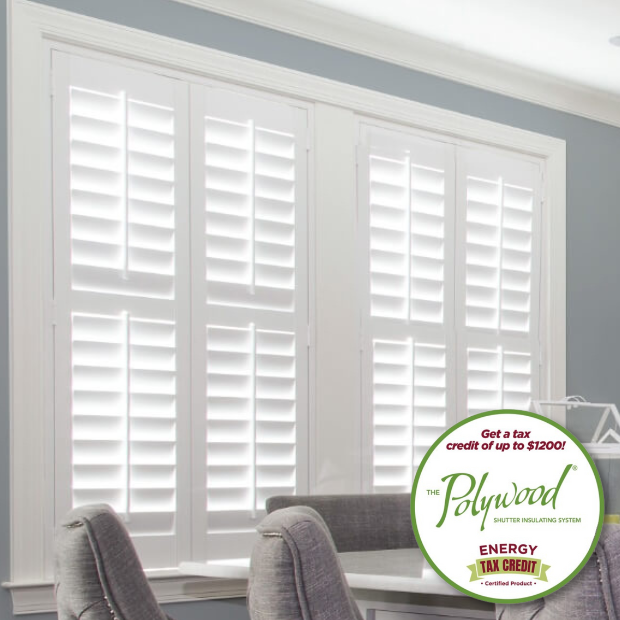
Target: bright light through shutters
(124,417)
(407,270)
(120,211)
(181,350)
(251,162)
(501,272)
(498,379)
(251,409)
(409,406)
(405,181)
(453,271)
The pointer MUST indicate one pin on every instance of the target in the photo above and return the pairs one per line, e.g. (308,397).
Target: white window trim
(35,29)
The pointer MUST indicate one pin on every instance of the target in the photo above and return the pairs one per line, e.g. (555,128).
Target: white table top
(398,570)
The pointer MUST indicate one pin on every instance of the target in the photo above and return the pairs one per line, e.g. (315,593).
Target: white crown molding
(334,28)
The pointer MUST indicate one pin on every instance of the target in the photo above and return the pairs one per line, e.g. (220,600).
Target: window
(180,287)
(452,260)
(191,304)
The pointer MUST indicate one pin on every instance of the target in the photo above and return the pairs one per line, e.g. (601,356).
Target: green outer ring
(594,541)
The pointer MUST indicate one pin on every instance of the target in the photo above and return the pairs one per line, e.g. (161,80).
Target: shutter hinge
(52,85)
(54,313)
(308,336)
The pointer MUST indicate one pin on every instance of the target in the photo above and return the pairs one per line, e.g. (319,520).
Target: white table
(389,585)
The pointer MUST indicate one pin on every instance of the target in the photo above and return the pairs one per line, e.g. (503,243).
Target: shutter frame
(404,333)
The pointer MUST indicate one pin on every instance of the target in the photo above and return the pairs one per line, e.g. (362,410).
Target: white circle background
(456,544)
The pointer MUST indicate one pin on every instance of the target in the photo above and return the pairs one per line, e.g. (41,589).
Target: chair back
(98,573)
(295,573)
(359,522)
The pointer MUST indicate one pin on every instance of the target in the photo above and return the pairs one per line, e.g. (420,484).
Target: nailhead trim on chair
(96,559)
(73,525)
(107,604)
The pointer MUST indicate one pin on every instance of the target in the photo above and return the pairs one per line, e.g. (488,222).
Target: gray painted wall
(593,297)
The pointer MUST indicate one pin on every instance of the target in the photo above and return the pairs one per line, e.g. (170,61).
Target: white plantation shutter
(121,298)
(499,267)
(251,309)
(409,408)
(405,184)
(450,252)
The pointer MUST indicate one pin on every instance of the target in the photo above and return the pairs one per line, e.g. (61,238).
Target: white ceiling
(568,39)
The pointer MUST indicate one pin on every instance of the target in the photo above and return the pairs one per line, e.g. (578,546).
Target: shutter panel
(251,308)
(406,188)
(124,432)
(501,275)
(250,203)
(122,194)
(119,201)
(409,407)
(251,409)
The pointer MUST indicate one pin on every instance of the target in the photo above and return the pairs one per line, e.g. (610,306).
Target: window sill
(169,587)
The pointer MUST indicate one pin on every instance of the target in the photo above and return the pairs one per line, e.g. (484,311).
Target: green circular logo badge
(495,500)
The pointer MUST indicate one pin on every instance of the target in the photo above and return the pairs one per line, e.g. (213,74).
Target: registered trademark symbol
(575,467)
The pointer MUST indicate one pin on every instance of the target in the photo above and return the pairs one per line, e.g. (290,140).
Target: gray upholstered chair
(295,573)
(358,522)
(98,573)
(594,594)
